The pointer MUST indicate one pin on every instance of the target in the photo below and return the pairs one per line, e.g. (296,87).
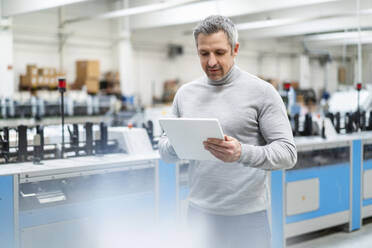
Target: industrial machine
(329,186)
(47,104)
(74,193)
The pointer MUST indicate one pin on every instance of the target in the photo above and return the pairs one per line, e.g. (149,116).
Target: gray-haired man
(228,199)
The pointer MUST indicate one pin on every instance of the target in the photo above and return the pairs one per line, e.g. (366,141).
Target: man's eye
(204,54)
(220,53)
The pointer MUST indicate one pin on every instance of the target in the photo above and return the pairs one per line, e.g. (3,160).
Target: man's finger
(217,154)
(221,149)
(209,148)
(217,142)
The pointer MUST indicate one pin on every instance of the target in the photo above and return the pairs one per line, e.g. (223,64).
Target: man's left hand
(227,150)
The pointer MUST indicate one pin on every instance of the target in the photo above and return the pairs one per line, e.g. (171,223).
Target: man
(229,199)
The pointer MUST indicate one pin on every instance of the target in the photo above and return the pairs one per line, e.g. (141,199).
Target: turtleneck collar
(227,79)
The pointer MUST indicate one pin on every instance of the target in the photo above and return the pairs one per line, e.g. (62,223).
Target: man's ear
(236,49)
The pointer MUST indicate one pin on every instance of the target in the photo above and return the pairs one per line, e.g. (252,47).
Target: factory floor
(335,237)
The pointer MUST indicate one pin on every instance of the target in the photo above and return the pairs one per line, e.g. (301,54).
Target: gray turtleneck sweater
(250,110)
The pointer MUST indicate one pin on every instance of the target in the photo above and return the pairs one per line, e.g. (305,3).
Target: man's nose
(212,60)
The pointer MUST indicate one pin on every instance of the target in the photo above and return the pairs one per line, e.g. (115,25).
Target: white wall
(6,63)
(367,64)
(36,42)
(152,67)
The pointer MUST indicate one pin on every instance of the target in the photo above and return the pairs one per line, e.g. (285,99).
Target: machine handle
(27,195)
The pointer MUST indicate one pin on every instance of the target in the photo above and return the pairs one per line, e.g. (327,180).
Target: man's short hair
(215,23)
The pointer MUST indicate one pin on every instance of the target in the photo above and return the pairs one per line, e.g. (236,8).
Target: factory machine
(344,117)
(48,105)
(331,185)
(71,191)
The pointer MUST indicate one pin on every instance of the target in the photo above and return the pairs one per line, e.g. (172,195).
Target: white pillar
(125,57)
(304,72)
(359,79)
(6,59)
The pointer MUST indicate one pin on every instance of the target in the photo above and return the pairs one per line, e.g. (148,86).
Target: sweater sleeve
(280,149)
(166,150)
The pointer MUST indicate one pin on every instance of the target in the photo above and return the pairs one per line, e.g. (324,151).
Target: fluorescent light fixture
(145,9)
(365,11)
(339,36)
(287,21)
(16,7)
(267,23)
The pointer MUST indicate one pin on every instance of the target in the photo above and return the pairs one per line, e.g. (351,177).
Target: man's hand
(227,150)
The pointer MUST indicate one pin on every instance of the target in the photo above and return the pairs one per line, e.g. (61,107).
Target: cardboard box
(33,81)
(109,76)
(52,72)
(31,70)
(92,85)
(53,84)
(23,82)
(47,71)
(117,77)
(46,81)
(79,83)
(112,77)
(87,69)
(40,81)
(60,74)
(295,85)
(42,72)
(341,75)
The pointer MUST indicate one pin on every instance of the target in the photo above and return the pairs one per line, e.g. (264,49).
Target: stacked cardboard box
(32,76)
(39,78)
(170,88)
(23,83)
(87,73)
(111,83)
(47,77)
(341,75)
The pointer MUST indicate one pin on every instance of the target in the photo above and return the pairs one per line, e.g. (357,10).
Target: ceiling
(255,19)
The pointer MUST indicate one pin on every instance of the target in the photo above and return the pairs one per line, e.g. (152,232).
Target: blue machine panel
(6,212)
(367,202)
(334,187)
(357,184)
(367,164)
(277,209)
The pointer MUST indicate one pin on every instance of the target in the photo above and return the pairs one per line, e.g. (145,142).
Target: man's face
(216,57)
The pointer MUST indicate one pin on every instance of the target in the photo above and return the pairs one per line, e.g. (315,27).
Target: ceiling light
(145,9)
(339,36)
(266,23)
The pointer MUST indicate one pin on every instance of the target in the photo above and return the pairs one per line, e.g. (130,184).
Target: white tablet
(186,135)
